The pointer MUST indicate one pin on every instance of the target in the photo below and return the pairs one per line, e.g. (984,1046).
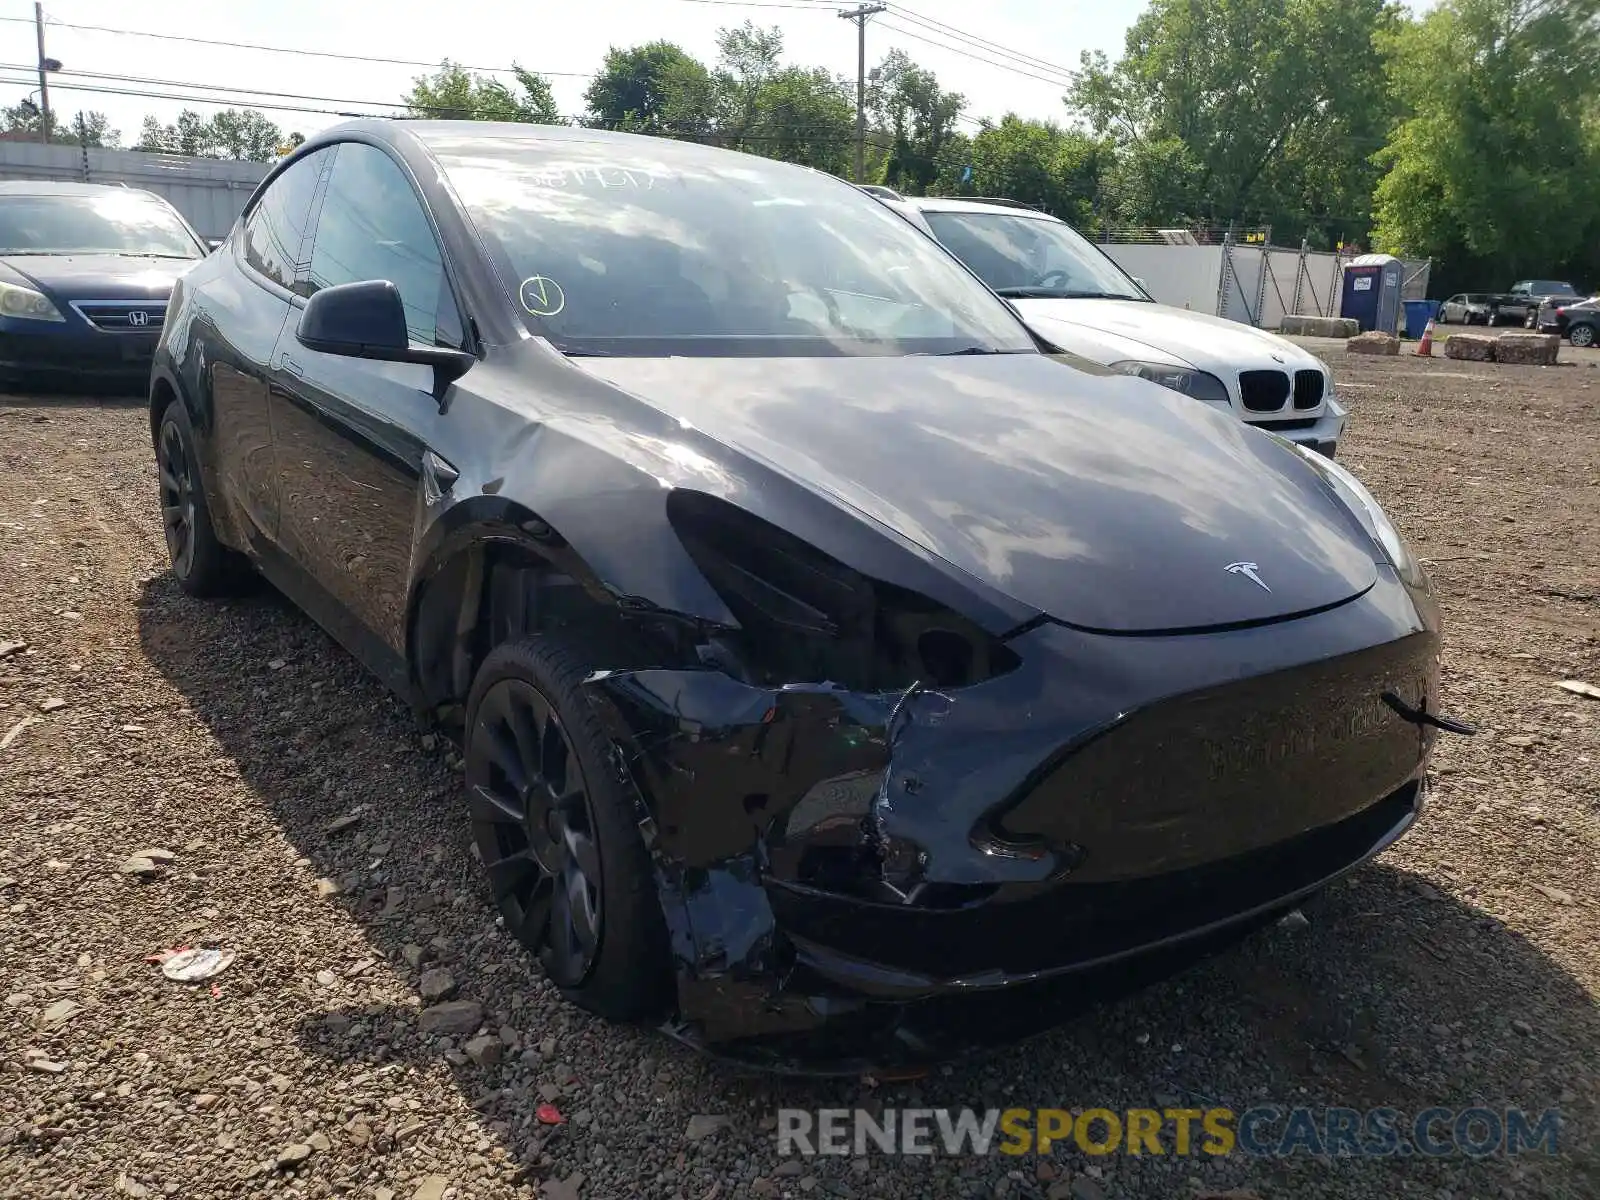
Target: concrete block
(1373,343)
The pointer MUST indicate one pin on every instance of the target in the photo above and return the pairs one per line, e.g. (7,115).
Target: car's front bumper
(1321,433)
(859,880)
(73,354)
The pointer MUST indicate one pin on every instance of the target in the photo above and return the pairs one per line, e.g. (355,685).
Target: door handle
(289,365)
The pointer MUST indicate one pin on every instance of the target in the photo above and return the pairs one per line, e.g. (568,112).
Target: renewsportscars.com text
(1263,1131)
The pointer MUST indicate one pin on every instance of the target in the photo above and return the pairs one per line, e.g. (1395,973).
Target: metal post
(859,16)
(44,77)
(1300,277)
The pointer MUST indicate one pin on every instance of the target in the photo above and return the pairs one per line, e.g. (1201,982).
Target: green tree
(915,117)
(761,106)
(244,134)
(1278,104)
(1492,168)
(655,88)
(190,134)
(452,93)
(83,128)
(1036,162)
(90,129)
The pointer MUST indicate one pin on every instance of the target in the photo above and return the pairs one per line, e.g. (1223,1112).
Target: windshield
(106,224)
(620,248)
(1029,257)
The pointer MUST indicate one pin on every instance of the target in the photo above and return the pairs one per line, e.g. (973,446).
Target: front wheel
(557,831)
(1581,335)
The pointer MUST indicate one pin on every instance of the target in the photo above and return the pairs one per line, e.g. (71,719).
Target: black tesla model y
(841,679)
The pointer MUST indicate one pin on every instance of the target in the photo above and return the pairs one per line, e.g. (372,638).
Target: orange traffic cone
(1425,346)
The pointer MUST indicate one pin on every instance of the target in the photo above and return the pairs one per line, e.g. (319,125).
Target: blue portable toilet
(1372,292)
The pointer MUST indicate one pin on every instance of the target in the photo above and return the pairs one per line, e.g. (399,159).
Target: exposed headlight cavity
(1196,384)
(27,303)
(806,618)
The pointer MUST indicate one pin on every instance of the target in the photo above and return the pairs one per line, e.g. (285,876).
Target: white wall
(209,192)
(1182,276)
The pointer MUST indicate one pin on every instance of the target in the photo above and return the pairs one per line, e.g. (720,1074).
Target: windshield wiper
(1044,293)
(970,350)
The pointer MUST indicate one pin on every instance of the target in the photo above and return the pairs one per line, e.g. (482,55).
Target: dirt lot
(1461,969)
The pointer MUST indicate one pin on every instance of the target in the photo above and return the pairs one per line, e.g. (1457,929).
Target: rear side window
(274,234)
(372,226)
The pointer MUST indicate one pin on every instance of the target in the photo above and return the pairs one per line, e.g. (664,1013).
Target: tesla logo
(138,318)
(1248,570)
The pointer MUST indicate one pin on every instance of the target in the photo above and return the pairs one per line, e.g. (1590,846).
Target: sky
(1033,43)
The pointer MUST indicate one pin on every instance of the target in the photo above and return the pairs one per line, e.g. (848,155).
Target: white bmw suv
(1078,300)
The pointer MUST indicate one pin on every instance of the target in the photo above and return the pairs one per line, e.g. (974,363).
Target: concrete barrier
(1312,326)
(1533,349)
(1373,343)
(1470,347)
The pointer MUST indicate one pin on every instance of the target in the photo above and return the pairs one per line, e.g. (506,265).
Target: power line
(821,6)
(199,41)
(807,133)
(906,14)
(1004,66)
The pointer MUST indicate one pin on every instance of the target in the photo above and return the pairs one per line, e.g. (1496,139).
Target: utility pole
(859,16)
(44,74)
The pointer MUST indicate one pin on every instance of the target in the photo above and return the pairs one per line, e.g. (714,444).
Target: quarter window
(276,228)
(373,226)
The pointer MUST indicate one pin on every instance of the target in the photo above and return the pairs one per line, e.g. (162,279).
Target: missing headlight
(806,617)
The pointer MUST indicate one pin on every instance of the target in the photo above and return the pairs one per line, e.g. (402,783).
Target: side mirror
(368,320)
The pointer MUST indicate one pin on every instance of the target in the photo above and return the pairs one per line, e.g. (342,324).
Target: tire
(1581,335)
(563,855)
(202,565)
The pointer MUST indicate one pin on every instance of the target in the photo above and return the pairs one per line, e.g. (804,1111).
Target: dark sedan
(1576,320)
(85,274)
(839,677)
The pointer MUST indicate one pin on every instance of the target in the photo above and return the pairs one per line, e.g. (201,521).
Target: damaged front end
(883,835)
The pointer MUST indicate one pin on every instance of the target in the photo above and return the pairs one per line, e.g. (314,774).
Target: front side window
(276,227)
(615,248)
(1031,257)
(131,225)
(372,226)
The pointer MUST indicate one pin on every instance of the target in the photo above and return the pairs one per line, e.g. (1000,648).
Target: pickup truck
(1520,306)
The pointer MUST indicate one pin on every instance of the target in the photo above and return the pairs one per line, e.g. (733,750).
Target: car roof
(50,187)
(954,204)
(430,134)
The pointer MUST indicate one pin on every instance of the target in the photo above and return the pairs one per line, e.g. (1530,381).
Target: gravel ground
(313,832)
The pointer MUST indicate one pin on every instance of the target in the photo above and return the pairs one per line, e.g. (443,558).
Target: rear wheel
(556,829)
(202,565)
(1581,335)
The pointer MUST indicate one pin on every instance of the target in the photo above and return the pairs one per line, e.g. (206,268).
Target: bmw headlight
(1361,502)
(1198,384)
(26,303)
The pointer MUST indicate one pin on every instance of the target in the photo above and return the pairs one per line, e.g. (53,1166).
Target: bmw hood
(1108,502)
(1122,329)
(96,276)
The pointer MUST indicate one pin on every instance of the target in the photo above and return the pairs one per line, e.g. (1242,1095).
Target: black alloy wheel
(556,820)
(202,565)
(177,496)
(535,828)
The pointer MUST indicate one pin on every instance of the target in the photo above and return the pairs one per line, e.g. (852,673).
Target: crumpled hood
(1120,329)
(1108,502)
(97,276)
